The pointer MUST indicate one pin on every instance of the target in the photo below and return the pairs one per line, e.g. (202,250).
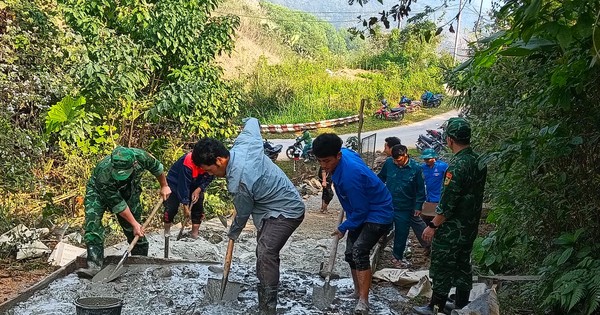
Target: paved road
(408,134)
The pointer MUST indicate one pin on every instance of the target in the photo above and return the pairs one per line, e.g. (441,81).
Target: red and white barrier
(310,125)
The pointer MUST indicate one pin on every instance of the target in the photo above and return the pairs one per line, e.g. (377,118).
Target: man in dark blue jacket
(188,182)
(368,206)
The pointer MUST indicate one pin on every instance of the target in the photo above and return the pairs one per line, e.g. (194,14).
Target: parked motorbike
(272,151)
(431,142)
(387,113)
(428,99)
(295,151)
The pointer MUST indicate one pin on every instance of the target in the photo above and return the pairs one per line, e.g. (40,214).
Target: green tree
(531,91)
(153,62)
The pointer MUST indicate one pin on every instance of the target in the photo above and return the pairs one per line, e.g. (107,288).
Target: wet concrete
(181,289)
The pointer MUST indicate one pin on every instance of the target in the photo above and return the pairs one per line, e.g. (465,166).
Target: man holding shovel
(261,189)
(115,185)
(368,206)
(188,181)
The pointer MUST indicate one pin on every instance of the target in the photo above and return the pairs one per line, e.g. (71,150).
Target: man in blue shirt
(262,190)
(433,171)
(368,207)
(404,179)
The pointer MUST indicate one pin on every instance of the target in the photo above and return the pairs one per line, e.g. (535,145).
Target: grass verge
(371,123)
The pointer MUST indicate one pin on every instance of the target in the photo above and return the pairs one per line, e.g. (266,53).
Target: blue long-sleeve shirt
(363,196)
(434,176)
(259,187)
(184,177)
(405,183)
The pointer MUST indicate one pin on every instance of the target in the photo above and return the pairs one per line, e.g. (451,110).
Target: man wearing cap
(455,225)
(433,172)
(115,185)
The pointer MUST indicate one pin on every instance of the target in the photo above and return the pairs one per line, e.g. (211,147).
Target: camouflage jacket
(462,198)
(114,194)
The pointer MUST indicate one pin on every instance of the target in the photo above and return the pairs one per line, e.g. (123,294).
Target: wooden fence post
(360,122)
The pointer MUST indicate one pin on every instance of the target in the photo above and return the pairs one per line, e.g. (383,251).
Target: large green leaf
(62,112)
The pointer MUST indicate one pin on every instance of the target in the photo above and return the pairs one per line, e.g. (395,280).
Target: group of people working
(373,204)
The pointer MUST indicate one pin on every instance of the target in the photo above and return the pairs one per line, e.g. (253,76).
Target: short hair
(397,150)
(392,141)
(207,150)
(326,144)
(461,142)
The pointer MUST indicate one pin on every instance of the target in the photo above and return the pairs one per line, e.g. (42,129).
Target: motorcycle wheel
(379,116)
(290,152)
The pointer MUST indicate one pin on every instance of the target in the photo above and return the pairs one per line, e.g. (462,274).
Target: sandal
(400,264)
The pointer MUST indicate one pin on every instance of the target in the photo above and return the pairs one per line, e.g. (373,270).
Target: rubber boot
(364,284)
(267,300)
(462,298)
(95,259)
(436,300)
(140,249)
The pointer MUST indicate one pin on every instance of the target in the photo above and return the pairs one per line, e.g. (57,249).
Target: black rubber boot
(95,259)
(140,249)
(436,300)
(267,300)
(462,298)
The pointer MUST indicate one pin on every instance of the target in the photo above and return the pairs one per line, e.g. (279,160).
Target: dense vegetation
(328,85)
(532,92)
(80,77)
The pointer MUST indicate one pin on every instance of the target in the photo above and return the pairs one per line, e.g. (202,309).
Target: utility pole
(460,7)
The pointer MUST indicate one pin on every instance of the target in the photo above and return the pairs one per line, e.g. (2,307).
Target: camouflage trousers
(94,230)
(450,265)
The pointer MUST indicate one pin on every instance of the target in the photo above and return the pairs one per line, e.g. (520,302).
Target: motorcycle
(295,151)
(390,114)
(272,151)
(428,99)
(432,140)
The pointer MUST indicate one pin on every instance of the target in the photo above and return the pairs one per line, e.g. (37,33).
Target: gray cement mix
(181,288)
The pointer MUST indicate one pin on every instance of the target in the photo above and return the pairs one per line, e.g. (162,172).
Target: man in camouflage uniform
(115,185)
(454,227)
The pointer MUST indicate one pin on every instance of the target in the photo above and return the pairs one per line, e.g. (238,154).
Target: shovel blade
(323,295)
(108,274)
(212,293)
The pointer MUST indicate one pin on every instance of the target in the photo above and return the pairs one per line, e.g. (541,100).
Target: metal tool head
(213,292)
(109,273)
(324,295)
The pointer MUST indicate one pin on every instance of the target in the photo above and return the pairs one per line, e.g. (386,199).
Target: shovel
(323,296)
(112,272)
(217,290)
(185,221)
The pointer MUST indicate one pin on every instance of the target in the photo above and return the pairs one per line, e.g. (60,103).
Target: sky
(343,15)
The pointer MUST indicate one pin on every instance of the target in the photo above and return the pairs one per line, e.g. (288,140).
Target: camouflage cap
(122,161)
(458,128)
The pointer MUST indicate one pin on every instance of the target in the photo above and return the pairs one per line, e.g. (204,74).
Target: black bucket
(98,306)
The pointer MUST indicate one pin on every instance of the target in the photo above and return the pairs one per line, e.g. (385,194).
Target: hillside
(251,42)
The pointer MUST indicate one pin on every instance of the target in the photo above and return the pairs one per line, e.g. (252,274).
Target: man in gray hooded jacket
(261,189)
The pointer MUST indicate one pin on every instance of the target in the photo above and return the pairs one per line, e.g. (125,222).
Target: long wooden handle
(227,266)
(333,252)
(146,223)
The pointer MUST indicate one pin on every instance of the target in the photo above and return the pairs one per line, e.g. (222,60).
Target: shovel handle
(227,266)
(145,225)
(333,252)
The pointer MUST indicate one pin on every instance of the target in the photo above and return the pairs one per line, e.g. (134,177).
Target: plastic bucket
(98,306)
